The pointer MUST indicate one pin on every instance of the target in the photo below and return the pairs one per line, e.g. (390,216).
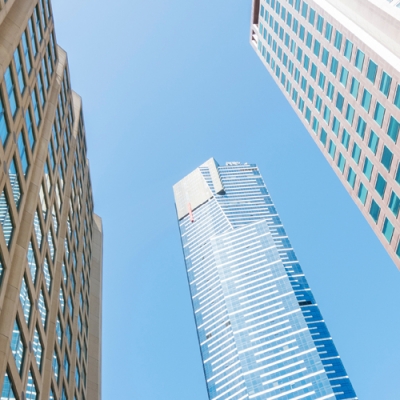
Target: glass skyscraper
(338,64)
(260,330)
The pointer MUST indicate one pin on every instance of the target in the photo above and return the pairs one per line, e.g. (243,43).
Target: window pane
(362,193)
(371,72)
(393,129)
(348,49)
(366,100)
(387,157)
(388,230)
(359,59)
(374,211)
(394,204)
(379,113)
(380,185)
(373,141)
(386,81)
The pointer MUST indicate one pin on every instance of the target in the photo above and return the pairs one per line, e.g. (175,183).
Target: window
(341,162)
(4,132)
(311,93)
(366,100)
(371,72)
(25,301)
(361,126)
(334,66)
(325,56)
(306,62)
(22,153)
(335,126)
(303,84)
(351,177)
(309,40)
(344,73)
(373,141)
(359,62)
(318,103)
(350,114)
(29,127)
(302,32)
(387,157)
(327,114)
(313,71)
(355,84)
(393,129)
(348,48)
(304,9)
(66,366)
(339,101)
(18,67)
(32,265)
(345,139)
(374,211)
(362,193)
(321,81)
(379,113)
(328,31)
(42,309)
(56,366)
(380,185)
(396,100)
(387,230)
(394,204)
(6,221)
(14,182)
(386,81)
(17,346)
(33,37)
(356,153)
(315,125)
(317,47)
(10,87)
(323,136)
(338,40)
(27,53)
(37,349)
(330,91)
(332,149)
(7,392)
(35,107)
(368,167)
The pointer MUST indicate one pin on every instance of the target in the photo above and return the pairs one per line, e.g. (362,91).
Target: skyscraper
(260,330)
(50,239)
(338,64)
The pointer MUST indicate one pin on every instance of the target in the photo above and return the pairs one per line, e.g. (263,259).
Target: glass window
(359,62)
(4,131)
(321,81)
(17,346)
(334,66)
(302,32)
(37,349)
(42,309)
(366,100)
(10,87)
(362,193)
(379,113)
(344,73)
(6,221)
(335,126)
(371,72)
(7,393)
(56,365)
(348,48)
(368,167)
(18,67)
(386,81)
(327,114)
(373,141)
(361,126)
(341,162)
(325,57)
(314,71)
(397,97)
(388,230)
(345,139)
(355,84)
(338,40)
(393,129)
(332,149)
(339,102)
(330,91)
(318,103)
(374,211)
(387,157)
(323,136)
(351,177)
(320,24)
(311,17)
(380,185)
(356,153)
(306,62)
(328,31)
(25,301)
(311,93)
(350,114)
(304,9)
(317,47)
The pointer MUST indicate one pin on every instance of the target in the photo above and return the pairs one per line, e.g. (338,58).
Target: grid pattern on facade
(347,96)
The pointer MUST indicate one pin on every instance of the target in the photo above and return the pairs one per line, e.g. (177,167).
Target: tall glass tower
(337,62)
(260,330)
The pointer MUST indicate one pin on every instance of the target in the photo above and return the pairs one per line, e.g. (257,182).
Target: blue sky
(165,86)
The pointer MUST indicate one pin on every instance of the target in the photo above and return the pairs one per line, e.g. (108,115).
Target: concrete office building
(260,330)
(338,64)
(50,240)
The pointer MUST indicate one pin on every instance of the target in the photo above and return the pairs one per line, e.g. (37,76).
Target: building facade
(260,330)
(338,64)
(50,239)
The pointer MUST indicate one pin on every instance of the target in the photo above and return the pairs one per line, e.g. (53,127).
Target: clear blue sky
(165,86)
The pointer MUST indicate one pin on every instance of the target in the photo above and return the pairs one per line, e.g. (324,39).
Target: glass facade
(261,333)
(344,85)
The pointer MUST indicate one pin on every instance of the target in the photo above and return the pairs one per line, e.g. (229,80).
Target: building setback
(260,330)
(50,239)
(338,64)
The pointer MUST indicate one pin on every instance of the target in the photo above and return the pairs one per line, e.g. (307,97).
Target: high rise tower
(260,330)
(50,239)
(338,64)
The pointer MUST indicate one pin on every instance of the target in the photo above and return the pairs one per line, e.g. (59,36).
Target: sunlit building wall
(338,64)
(260,330)
(50,238)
